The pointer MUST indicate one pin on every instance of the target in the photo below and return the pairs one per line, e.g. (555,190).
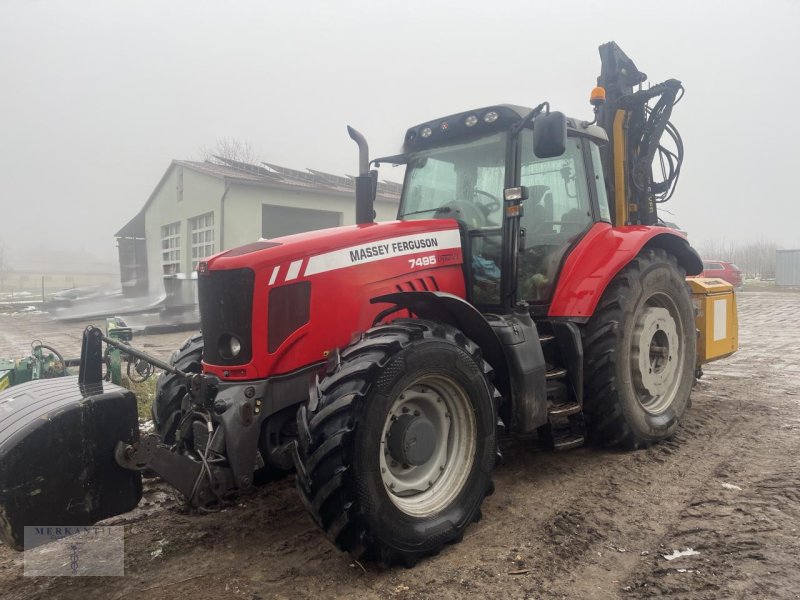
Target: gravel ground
(18,330)
(588,523)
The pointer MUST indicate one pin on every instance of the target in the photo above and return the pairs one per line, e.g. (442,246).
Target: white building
(200,208)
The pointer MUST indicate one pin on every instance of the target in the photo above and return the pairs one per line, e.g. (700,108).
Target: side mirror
(550,135)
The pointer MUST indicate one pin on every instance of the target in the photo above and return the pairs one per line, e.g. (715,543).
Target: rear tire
(640,349)
(411,376)
(171,388)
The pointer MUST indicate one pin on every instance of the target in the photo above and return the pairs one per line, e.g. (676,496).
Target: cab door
(562,205)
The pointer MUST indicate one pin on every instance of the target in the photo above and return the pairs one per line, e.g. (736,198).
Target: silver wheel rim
(426,489)
(657,354)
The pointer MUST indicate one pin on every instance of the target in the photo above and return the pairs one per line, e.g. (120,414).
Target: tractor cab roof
(465,126)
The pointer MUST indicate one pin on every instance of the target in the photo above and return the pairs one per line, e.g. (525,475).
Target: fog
(98,96)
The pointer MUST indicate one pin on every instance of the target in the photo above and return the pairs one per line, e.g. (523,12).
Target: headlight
(491,116)
(229,346)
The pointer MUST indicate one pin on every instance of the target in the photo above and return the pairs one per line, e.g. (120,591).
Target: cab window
(557,211)
(600,184)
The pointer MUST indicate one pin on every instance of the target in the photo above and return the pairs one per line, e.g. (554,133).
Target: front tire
(640,349)
(171,389)
(395,450)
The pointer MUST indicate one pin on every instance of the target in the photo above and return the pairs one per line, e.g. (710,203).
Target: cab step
(563,409)
(556,373)
(567,441)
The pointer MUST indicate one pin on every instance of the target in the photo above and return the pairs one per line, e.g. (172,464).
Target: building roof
(267,175)
(133,228)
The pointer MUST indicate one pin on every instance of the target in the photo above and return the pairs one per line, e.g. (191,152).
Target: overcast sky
(98,96)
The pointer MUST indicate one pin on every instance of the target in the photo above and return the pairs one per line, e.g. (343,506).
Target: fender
(510,344)
(455,311)
(601,254)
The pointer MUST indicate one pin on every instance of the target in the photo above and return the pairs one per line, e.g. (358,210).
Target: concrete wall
(29,283)
(787,267)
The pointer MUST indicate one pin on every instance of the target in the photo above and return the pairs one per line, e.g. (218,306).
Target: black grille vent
(289,309)
(226,309)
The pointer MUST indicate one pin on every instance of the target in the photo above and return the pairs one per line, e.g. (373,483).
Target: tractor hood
(277,306)
(403,237)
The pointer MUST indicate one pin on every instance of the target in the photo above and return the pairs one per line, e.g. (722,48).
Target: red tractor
(527,285)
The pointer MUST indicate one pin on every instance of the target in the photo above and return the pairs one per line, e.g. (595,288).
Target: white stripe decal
(720,319)
(383,249)
(294,270)
(274,275)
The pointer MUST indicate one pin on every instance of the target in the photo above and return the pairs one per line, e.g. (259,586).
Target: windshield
(462,182)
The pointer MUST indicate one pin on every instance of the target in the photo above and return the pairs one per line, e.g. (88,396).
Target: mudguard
(510,344)
(601,254)
(57,463)
(455,311)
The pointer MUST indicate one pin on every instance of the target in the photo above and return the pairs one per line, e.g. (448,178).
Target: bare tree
(754,258)
(230,149)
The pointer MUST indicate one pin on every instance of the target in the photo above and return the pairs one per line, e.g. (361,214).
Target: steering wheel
(468,213)
(491,206)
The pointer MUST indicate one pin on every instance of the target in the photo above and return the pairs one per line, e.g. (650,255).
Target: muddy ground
(588,523)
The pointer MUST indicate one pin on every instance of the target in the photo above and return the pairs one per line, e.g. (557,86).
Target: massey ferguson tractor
(527,286)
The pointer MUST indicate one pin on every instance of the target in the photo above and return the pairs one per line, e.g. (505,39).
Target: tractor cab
(461,166)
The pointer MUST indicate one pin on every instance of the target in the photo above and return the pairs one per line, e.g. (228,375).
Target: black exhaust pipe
(366,182)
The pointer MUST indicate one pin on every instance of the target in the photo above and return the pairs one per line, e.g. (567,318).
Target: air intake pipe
(366,182)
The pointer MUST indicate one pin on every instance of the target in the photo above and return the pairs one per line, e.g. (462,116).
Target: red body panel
(594,262)
(342,284)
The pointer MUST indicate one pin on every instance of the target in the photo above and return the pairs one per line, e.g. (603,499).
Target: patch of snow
(678,553)
(160,550)
(730,486)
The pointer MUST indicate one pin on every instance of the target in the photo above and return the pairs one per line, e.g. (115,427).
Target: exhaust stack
(366,182)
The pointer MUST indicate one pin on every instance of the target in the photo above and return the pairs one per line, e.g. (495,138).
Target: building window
(202,230)
(171,248)
(277,221)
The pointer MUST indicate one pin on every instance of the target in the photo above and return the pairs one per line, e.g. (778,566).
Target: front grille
(226,309)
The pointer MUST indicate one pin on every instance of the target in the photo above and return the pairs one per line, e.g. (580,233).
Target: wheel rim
(437,406)
(657,354)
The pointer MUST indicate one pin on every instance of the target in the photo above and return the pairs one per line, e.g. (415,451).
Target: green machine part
(14,372)
(6,375)
(118,330)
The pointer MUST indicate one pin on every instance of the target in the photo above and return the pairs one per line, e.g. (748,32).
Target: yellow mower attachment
(715,305)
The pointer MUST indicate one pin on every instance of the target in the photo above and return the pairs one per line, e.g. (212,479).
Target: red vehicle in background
(723,270)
